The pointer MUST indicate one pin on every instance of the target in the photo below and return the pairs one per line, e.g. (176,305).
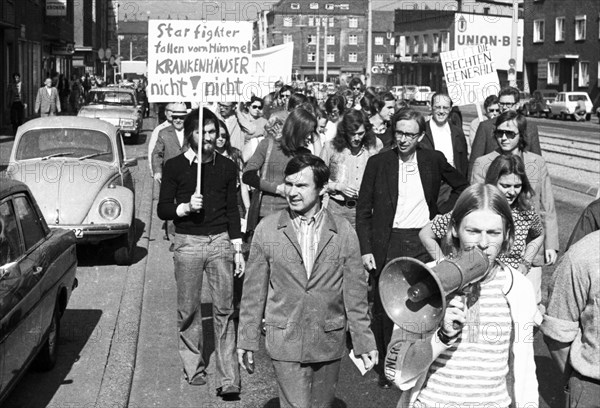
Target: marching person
(398,196)
(154,136)
(306,299)
(171,140)
(47,102)
(207,239)
(16,101)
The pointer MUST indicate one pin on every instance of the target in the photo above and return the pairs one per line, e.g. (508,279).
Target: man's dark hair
(334,101)
(509,91)
(409,114)
(286,88)
(304,160)
(489,101)
(521,125)
(381,99)
(191,120)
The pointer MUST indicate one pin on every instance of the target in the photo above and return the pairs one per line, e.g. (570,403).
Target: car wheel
(125,246)
(588,117)
(46,358)
(563,116)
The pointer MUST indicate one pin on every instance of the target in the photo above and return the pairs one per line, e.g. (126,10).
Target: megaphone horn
(414,295)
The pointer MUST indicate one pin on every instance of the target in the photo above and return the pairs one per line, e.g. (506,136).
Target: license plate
(78,232)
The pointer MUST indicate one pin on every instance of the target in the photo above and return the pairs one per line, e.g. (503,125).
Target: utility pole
(512,79)
(370,41)
(317,54)
(325,51)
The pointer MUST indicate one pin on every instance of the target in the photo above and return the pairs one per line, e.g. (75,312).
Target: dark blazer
(459,146)
(167,146)
(378,196)
(485,142)
(305,318)
(45,103)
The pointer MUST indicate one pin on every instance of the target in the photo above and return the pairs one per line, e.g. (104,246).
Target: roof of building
(329,7)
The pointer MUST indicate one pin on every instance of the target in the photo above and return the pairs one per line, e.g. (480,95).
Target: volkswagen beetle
(78,172)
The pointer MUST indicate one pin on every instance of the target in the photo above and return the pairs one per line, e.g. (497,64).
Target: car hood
(64,189)
(107,111)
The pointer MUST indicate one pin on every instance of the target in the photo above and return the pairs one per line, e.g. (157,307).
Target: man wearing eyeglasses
(398,196)
(170,141)
(485,142)
(154,136)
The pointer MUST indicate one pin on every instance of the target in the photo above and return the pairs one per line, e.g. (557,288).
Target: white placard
(271,65)
(470,74)
(199,61)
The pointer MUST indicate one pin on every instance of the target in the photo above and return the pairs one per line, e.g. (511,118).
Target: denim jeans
(194,255)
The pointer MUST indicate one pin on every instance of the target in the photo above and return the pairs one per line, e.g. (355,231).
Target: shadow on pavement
(274,403)
(36,389)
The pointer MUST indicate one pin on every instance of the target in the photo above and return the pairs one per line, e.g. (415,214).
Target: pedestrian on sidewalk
(47,102)
(305,278)
(16,102)
(207,239)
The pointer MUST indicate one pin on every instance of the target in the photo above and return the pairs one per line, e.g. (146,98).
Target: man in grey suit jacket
(305,277)
(170,142)
(47,102)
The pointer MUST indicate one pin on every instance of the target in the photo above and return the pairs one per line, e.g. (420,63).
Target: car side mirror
(130,162)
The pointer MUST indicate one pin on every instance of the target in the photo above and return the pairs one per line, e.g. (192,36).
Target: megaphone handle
(456,325)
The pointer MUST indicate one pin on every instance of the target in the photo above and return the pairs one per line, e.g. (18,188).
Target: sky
(238,9)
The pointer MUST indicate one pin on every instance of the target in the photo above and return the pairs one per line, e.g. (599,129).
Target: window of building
(311,21)
(288,38)
(287,21)
(330,57)
(445,41)
(331,21)
(353,22)
(330,39)
(311,57)
(311,39)
(329,6)
(584,74)
(435,45)
(559,29)
(344,6)
(392,41)
(379,58)
(416,45)
(313,6)
(378,40)
(580,28)
(352,57)
(353,39)
(426,44)
(295,6)
(538,31)
(553,72)
(406,41)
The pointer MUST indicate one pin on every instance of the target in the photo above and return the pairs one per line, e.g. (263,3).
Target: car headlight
(126,122)
(110,209)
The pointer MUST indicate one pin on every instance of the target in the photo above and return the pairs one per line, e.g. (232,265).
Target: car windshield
(110,98)
(66,143)
(411,88)
(424,89)
(575,98)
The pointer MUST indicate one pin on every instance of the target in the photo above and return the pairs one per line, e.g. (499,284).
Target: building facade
(383,48)
(329,37)
(562,39)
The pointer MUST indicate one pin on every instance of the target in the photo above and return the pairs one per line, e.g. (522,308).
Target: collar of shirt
(411,159)
(193,158)
(298,219)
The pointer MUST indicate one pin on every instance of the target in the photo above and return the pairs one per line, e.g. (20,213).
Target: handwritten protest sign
(470,74)
(272,64)
(199,61)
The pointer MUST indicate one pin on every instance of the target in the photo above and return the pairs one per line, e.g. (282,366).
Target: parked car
(118,106)
(80,176)
(423,95)
(538,103)
(409,92)
(565,103)
(37,275)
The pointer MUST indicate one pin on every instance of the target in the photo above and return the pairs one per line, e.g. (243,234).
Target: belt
(346,203)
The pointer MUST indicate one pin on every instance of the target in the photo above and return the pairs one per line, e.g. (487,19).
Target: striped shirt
(307,232)
(472,372)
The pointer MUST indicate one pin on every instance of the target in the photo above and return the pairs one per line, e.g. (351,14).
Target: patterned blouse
(528,226)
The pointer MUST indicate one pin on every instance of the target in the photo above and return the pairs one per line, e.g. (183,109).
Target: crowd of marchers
(308,197)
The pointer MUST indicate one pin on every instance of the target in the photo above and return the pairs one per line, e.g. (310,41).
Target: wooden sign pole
(199,154)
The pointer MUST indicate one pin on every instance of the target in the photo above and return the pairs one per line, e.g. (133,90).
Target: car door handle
(37,270)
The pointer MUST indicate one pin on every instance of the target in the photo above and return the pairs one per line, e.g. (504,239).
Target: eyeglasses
(507,104)
(286,95)
(493,110)
(444,108)
(174,117)
(256,107)
(411,136)
(356,88)
(508,133)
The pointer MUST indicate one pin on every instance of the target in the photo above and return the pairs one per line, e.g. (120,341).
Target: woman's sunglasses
(256,107)
(509,134)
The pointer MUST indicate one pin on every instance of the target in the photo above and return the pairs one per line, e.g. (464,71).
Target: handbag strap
(263,170)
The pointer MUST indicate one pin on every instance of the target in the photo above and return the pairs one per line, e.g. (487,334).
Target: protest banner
(470,74)
(199,61)
(271,65)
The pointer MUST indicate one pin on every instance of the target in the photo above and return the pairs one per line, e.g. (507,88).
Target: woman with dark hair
(347,155)
(252,124)
(297,134)
(510,133)
(223,147)
(335,108)
(508,174)
(461,363)
(358,90)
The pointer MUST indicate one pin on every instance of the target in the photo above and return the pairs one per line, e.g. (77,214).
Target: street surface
(99,330)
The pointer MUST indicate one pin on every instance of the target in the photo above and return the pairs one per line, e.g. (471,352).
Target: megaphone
(414,295)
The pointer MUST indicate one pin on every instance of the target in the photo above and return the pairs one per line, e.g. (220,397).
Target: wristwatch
(444,338)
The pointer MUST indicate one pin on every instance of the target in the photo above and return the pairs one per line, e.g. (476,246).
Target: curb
(575,186)
(120,364)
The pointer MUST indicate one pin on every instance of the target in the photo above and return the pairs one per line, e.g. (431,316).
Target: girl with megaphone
(482,352)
